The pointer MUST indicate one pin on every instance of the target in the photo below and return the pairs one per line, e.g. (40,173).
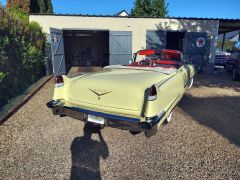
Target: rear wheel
(134,132)
(152,132)
(227,68)
(235,75)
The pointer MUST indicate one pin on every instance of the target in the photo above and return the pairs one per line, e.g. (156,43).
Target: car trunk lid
(112,88)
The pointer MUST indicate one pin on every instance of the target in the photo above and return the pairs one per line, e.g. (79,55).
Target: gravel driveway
(201,142)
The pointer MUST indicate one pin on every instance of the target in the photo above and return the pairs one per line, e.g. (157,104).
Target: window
(237,45)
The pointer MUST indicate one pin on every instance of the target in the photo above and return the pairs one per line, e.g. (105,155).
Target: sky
(176,8)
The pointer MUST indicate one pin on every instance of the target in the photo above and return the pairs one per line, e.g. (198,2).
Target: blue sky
(177,8)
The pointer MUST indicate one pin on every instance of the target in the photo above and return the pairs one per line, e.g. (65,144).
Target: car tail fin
(59,81)
(152,94)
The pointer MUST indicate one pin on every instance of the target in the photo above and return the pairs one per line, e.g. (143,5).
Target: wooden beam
(223,42)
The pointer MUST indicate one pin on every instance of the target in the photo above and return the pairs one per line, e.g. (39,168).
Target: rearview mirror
(134,55)
(186,61)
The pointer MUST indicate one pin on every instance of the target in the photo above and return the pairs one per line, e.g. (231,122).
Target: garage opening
(86,50)
(175,40)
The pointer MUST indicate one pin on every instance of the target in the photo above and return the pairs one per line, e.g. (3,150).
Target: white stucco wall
(138,26)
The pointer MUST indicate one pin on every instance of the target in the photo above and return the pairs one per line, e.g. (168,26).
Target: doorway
(86,48)
(175,40)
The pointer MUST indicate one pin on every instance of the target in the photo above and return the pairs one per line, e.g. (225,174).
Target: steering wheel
(150,60)
(146,59)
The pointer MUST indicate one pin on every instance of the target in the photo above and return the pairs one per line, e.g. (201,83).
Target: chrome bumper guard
(114,121)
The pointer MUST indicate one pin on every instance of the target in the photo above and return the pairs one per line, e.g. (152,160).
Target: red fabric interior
(166,62)
(141,65)
(146,52)
(170,58)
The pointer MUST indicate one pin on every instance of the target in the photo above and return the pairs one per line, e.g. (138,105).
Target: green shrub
(18,14)
(227,45)
(21,53)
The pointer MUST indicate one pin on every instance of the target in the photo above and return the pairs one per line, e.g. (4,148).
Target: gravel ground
(201,142)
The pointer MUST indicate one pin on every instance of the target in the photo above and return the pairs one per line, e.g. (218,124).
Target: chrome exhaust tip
(52,103)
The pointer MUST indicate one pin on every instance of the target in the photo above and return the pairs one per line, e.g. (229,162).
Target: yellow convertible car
(137,97)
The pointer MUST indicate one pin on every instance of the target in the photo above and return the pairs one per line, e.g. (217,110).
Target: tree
(49,7)
(149,8)
(21,52)
(32,6)
(42,6)
(19,4)
(159,8)
(138,8)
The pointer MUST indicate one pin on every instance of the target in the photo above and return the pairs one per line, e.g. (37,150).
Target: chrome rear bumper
(115,121)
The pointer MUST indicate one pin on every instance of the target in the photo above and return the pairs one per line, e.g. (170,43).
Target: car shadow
(86,154)
(220,80)
(221,114)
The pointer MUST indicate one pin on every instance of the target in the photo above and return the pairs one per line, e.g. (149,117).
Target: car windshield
(158,55)
(147,57)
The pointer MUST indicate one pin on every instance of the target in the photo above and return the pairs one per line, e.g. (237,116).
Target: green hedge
(227,45)
(21,53)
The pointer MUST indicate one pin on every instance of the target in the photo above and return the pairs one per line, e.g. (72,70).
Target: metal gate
(156,39)
(57,48)
(120,47)
(197,49)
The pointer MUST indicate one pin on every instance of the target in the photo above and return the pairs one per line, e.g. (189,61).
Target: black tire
(227,68)
(152,132)
(134,132)
(235,75)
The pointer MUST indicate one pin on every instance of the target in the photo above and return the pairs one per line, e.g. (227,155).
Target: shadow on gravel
(86,155)
(220,80)
(221,114)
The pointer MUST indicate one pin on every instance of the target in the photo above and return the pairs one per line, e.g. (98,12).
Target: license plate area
(95,119)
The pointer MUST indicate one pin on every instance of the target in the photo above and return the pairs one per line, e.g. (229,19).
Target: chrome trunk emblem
(99,92)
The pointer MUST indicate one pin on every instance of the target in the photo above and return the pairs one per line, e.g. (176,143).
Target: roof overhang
(228,25)
(225,25)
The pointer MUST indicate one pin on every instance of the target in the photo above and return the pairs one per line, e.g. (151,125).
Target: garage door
(120,47)
(57,48)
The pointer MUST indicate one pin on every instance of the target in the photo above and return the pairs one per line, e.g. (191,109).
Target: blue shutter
(120,47)
(57,48)
(156,39)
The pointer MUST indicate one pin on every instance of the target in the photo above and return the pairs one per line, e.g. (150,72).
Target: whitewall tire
(169,118)
(190,84)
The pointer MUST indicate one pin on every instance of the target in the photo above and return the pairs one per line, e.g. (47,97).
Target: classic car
(222,57)
(137,97)
(233,64)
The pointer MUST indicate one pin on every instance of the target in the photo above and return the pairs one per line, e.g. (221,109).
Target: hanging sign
(55,39)
(200,42)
